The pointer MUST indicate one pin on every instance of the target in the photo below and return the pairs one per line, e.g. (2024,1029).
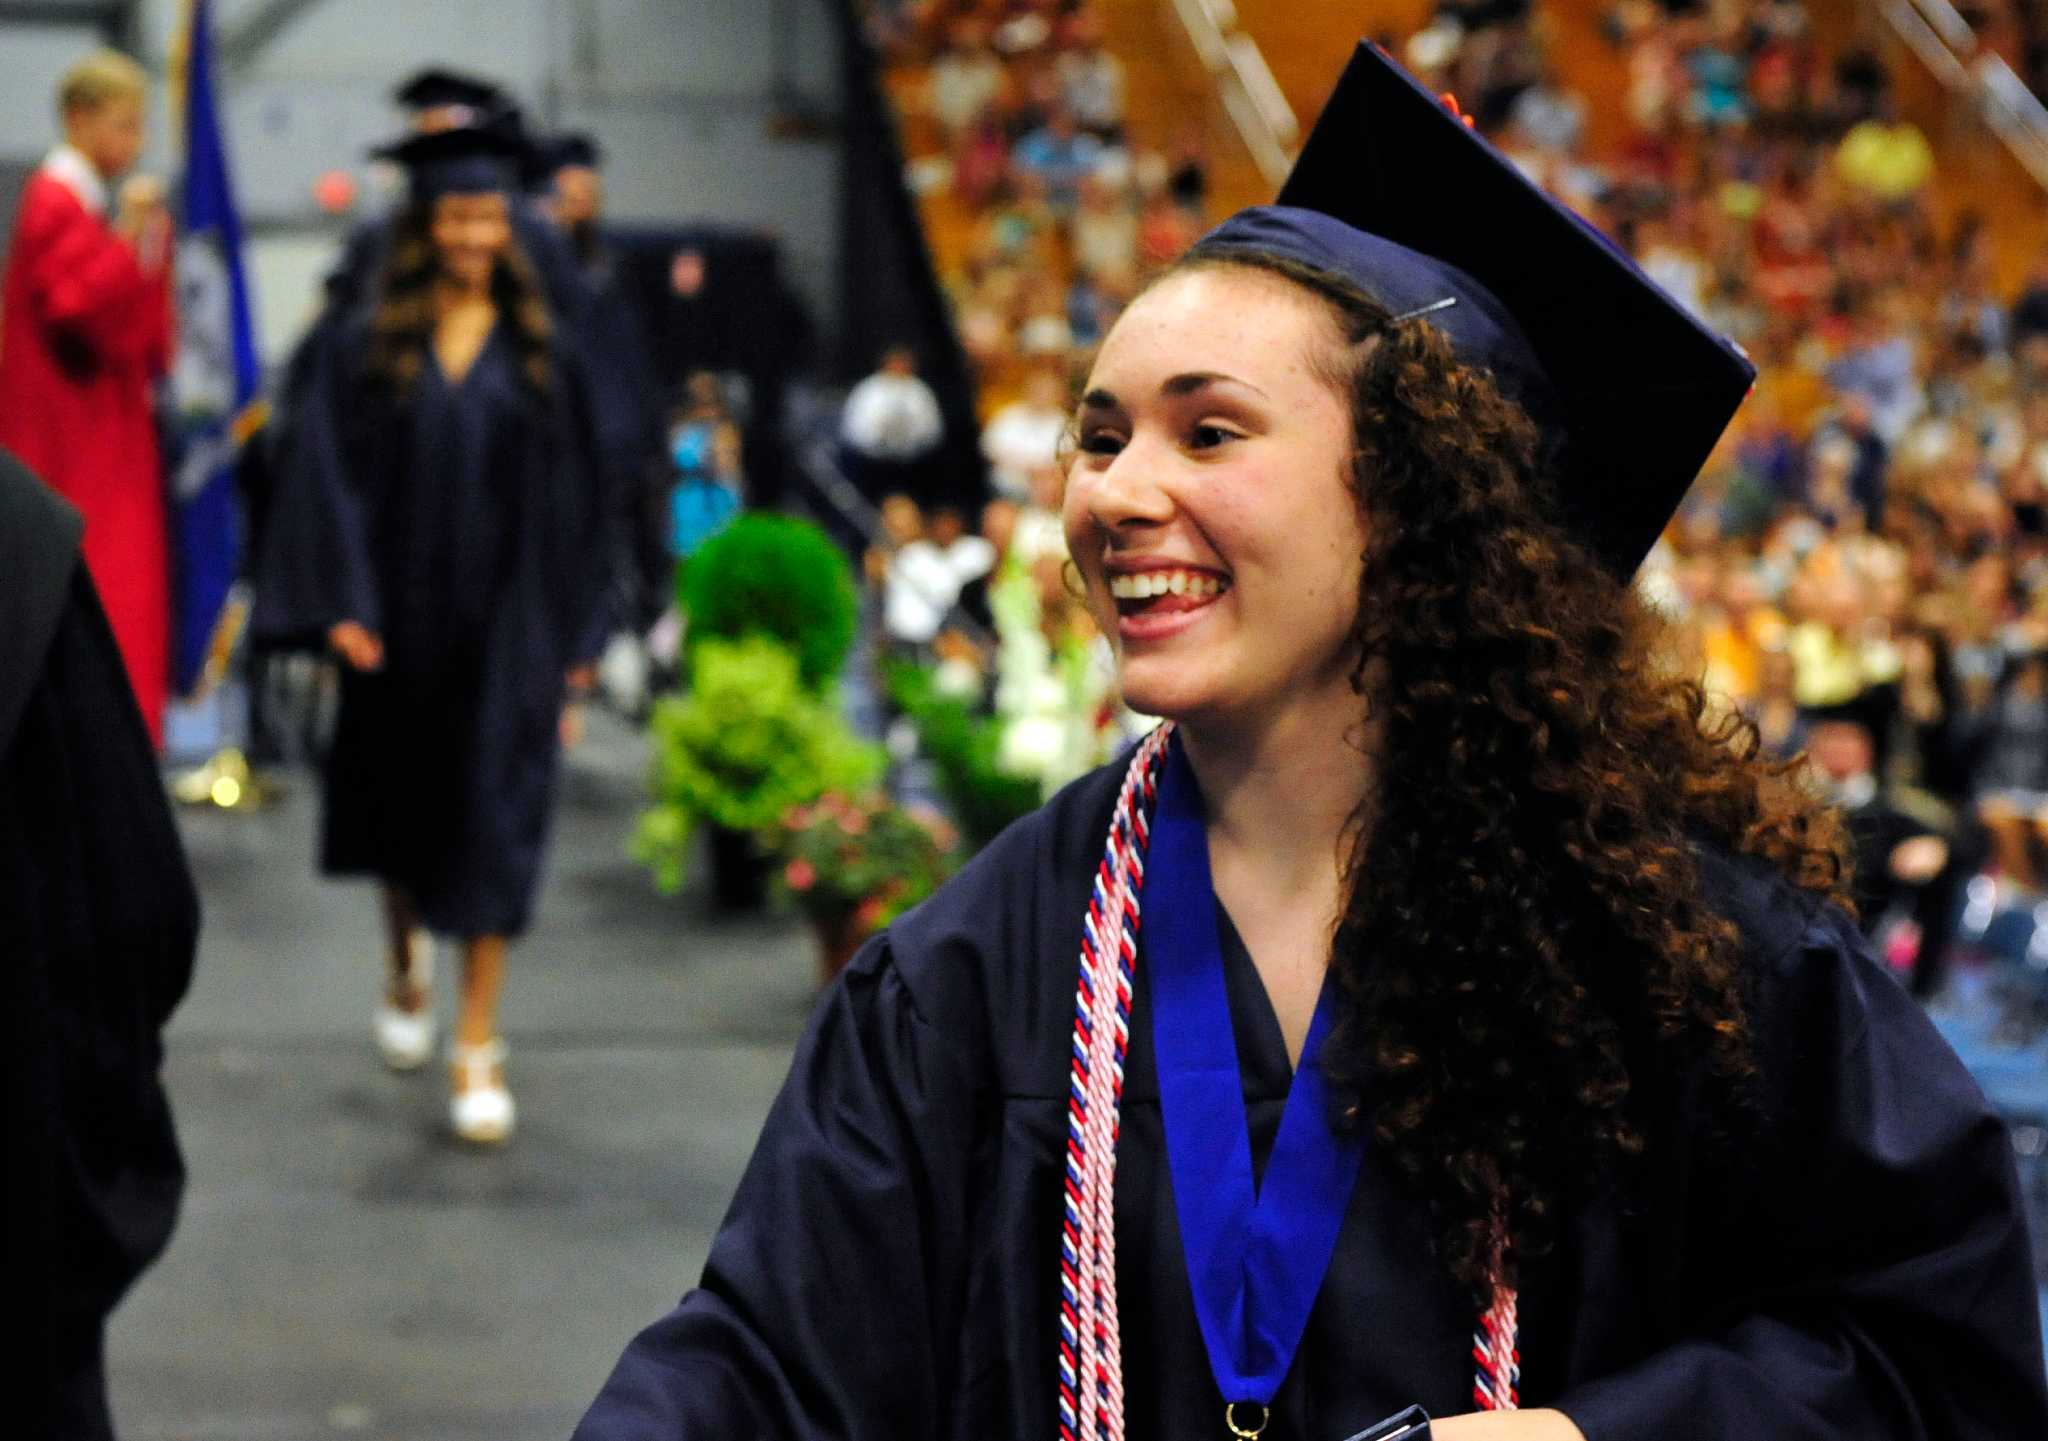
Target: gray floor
(342,1268)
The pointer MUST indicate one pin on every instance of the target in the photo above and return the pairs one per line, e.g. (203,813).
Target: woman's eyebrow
(1175,386)
(1191,381)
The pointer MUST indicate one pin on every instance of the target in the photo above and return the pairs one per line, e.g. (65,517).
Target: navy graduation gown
(467,526)
(888,1266)
(629,434)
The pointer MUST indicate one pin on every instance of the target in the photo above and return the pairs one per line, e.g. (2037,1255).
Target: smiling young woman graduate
(1463,1019)
(441,526)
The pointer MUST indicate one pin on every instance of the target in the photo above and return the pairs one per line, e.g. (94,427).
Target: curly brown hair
(402,322)
(1524,933)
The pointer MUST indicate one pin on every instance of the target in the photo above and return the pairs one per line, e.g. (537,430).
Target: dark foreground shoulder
(989,958)
(39,540)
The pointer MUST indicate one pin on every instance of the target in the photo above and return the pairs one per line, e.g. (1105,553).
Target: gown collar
(68,166)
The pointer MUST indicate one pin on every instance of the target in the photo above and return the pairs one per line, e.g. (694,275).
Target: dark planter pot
(739,870)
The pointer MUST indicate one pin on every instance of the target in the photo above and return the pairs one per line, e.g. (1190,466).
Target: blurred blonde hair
(101,76)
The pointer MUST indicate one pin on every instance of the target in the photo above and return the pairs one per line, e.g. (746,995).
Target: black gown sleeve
(1861,1272)
(315,569)
(98,920)
(832,1291)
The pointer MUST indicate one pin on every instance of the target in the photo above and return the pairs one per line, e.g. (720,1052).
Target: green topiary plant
(747,743)
(774,576)
(965,751)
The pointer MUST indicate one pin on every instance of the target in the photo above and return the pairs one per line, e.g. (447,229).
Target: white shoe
(481,1111)
(406,1038)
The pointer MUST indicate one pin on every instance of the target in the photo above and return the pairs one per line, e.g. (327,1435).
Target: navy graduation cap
(554,153)
(574,148)
(463,161)
(433,88)
(1398,195)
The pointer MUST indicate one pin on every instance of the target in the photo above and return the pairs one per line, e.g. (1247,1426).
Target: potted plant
(745,745)
(852,863)
(779,577)
(966,752)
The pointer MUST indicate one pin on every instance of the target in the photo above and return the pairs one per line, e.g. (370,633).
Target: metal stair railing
(1936,32)
(1250,96)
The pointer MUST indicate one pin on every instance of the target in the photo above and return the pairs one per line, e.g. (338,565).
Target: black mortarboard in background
(1400,196)
(433,88)
(463,161)
(574,148)
(559,152)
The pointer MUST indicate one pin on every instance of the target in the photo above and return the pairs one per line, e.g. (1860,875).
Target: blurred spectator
(1091,80)
(891,429)
(922,571)
(965,79)
(1061,154)
(970,557)
(1549,117)
(2030,313)
(1187,172)
(1165,230)
(1105,229)
(85,307)
(707,484)
(1880,366)
(1902,862)
(1023,438)
(1886,157)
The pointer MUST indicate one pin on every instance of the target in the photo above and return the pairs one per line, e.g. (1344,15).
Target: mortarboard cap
(1397,194)
(434,88)
(465,161)
(559,152)
(575,148)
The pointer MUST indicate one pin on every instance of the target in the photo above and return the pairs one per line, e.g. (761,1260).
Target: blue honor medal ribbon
(1255,1255)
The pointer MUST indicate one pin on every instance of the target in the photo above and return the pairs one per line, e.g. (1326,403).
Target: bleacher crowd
(1862,567)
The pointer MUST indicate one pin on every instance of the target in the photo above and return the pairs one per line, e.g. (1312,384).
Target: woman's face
(470,233)
(1208,506)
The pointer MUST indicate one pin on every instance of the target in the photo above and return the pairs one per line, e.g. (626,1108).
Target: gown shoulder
(1847,1255)
(990,956)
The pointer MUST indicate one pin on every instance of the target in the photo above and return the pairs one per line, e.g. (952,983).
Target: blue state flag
(216,376)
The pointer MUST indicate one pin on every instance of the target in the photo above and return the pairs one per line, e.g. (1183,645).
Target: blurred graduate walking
(441,524)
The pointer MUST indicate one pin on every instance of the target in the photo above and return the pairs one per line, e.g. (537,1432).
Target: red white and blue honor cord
(1091,1404)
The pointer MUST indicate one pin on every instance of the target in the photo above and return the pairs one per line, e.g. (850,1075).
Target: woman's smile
(1154,603)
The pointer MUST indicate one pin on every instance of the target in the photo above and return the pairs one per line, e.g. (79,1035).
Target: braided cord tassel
(1495,1351)
(1091,1405)
(1091,1344)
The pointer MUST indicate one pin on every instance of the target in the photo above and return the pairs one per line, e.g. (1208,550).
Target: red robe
(85,329)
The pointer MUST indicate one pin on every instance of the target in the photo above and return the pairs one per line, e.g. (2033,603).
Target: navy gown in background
(887,1270)
(466,524)
(626,406)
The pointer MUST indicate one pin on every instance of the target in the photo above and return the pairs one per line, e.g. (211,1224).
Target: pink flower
(867,916)
(853,822)
(800,874)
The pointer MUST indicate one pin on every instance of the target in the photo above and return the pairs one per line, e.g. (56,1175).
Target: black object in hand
(1409,1425)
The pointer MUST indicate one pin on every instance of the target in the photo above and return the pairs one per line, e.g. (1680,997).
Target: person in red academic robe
(85,330)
